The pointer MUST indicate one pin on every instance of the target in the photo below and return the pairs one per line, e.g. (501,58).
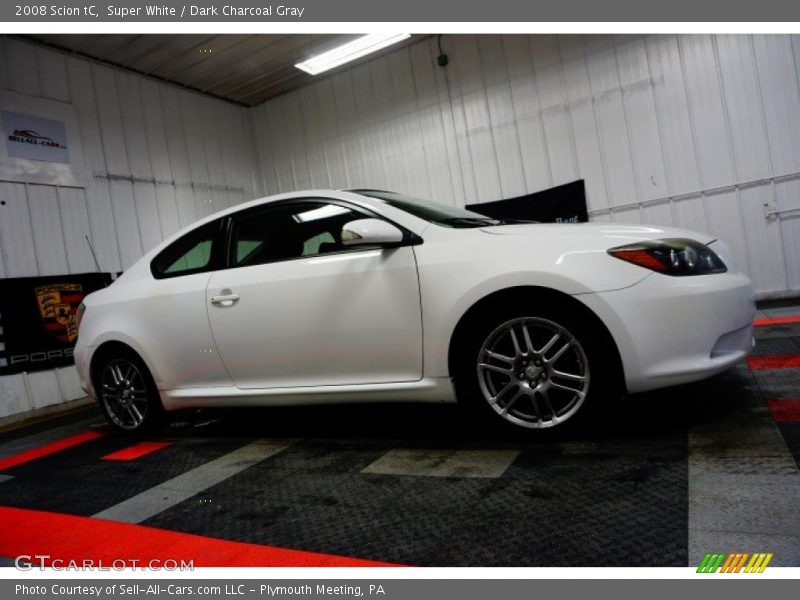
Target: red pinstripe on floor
(780,361)
(47,449)
(786,410)
(70,538)
(786,320)
(137,451)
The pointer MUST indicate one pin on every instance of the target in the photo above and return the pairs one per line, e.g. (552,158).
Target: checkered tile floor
(711,466)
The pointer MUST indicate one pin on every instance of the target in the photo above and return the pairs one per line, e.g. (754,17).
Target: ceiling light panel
(350,51)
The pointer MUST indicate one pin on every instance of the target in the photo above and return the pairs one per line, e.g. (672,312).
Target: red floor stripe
(137,451)
(784,361)
(68,538)
(776,321)
(47,449)
(786,410)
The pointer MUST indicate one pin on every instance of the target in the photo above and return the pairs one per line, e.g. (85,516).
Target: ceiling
(247,69)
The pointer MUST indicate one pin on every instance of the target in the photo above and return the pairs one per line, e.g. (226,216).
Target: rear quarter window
(195,252)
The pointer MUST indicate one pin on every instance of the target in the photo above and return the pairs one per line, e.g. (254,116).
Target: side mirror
(370,232)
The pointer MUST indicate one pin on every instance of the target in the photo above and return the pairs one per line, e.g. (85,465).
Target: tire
(533,370)
(128,395)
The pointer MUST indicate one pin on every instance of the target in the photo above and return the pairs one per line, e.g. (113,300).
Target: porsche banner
(563,204)
(38,328)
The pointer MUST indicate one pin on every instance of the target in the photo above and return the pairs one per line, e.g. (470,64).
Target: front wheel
(128,396)
(532,371)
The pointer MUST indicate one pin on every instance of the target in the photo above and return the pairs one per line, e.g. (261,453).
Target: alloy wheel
(124,394)
(533,372)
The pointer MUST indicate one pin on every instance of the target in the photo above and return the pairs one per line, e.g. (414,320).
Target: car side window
(193,253)
(290,230)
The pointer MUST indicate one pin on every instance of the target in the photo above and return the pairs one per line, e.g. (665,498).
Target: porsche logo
(58,304)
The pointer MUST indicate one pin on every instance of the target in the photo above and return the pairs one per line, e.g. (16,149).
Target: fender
(572,273)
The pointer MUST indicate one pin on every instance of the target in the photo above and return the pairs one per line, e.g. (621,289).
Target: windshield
(447,216)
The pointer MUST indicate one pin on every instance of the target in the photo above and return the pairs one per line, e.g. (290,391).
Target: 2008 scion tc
(371,296)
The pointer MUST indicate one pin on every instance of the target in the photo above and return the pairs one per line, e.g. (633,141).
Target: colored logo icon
(740,562)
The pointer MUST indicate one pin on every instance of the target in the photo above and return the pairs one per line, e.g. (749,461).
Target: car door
(172,315)
(297,308)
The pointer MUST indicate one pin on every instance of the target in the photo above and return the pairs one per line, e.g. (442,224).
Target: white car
(369,296)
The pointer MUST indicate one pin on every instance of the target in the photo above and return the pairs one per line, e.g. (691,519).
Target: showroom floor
(669,476)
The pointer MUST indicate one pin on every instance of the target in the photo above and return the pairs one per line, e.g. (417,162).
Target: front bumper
(83,357)
(673,330)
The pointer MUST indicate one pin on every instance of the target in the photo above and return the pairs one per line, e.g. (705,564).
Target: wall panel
(75,226)
(681,167)
(707,109)
(743,101)
(787,196)
(778,79)
(53,69)
(558,138)
(527,114)
(16,233)
(102,230)
(48,238)
(588,150)
(764,245)
(23,67)
(689,213)
(641,117)
(436,124)
(501,118)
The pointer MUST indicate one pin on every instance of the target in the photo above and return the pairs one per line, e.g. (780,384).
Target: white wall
(696,131)
(158,158)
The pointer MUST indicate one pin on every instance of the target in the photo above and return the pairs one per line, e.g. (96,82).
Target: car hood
(617,234)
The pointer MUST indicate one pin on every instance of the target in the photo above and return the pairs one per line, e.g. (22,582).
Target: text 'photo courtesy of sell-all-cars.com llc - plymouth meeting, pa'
(372,296)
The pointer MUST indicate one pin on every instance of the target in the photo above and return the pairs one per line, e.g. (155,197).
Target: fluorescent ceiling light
(350,51)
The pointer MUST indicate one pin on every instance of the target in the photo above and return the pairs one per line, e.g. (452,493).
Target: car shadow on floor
(634,417)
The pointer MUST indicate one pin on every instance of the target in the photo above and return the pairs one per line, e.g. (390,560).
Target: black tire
(128,395)
(588,355)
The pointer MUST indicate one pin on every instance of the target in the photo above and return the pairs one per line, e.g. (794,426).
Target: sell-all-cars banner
(38,325)
(563,204)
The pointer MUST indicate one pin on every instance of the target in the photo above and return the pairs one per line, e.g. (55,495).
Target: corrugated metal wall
(698,131)
(158,158)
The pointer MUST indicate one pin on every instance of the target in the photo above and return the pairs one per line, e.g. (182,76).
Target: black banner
(37,319)
(563,204)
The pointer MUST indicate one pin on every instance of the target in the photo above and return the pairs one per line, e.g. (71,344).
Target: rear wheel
(532,369)
(128,395)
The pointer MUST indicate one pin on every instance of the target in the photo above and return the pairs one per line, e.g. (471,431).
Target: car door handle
(225,299)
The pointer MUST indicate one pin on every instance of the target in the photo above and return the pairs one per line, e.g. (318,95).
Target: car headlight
(673,256)
(79,316)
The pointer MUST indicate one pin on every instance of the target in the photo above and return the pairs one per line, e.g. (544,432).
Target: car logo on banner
(29,136)
(35,138)
(58,305)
